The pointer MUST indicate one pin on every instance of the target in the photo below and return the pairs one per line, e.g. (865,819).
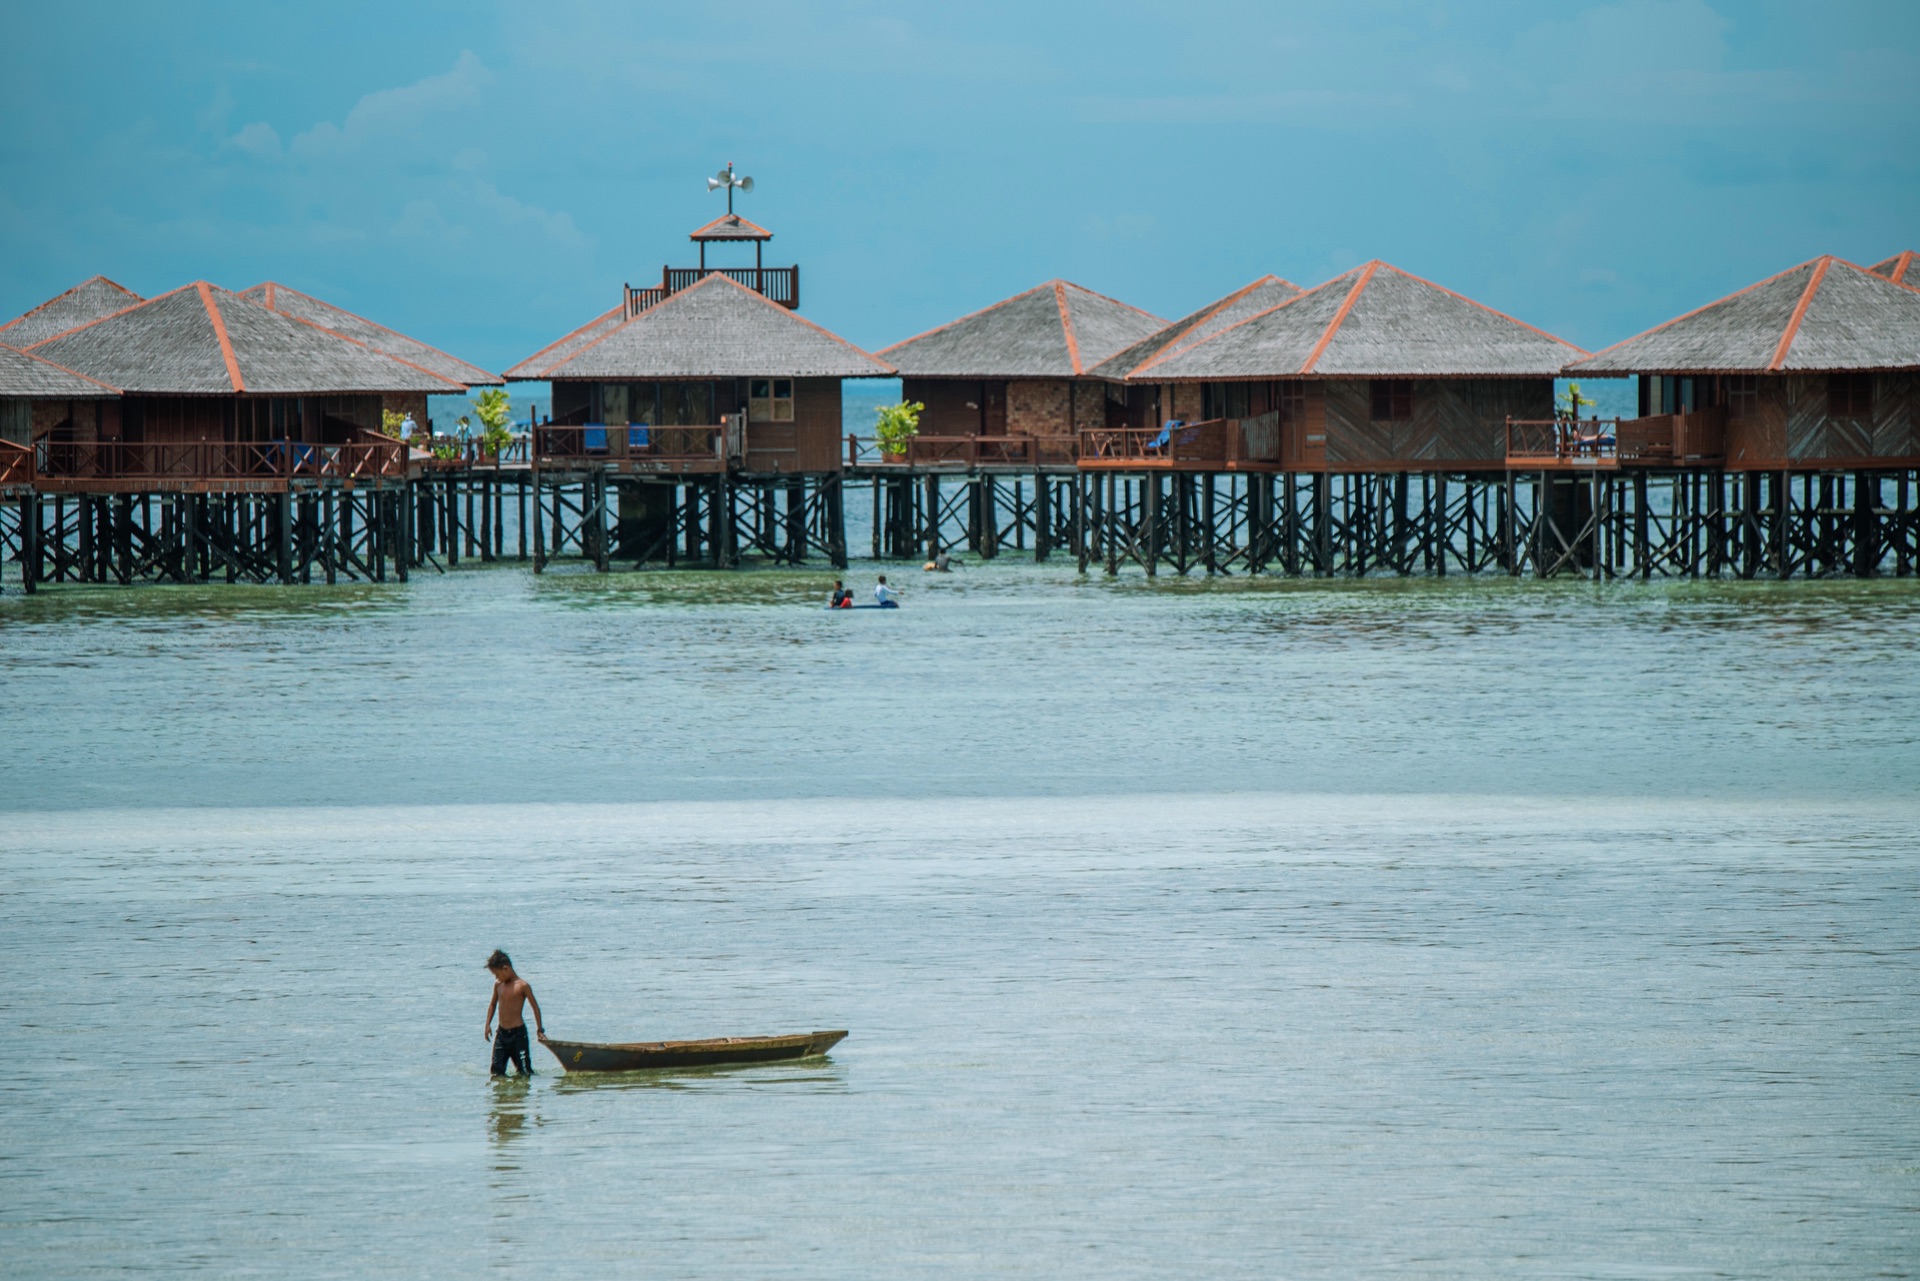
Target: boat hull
(588,1056)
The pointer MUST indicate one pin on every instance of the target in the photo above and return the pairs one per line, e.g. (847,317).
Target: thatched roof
(32,378)
(559,350)
(1822,315)
(1900,269)
(201,340)
(1249,300)
(1057,330)
(1374,321)
(87,301)
(714,329)
(310,310)
(731,227)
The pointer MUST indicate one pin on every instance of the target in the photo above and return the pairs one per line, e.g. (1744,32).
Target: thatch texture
(715,329)
(556,352)
(304,307)
(202,340)
(1057,330)
(85,302)
(32,378)
(1822,315)
(1900,269)
(1374,321)
(1249,300)
(731,227)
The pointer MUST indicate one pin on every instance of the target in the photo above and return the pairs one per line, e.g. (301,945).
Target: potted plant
(897,425)
(494,412)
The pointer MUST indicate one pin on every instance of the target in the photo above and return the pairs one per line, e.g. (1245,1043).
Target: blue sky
(486,175)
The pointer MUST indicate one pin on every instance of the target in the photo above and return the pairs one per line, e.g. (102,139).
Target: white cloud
(258,139)
(389,113)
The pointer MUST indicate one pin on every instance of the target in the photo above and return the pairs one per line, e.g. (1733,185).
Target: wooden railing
(776,284)
(190,462)
(1700,436)
(966,451)
(596,444)
(1221,441)
(1561,441)
(16,464)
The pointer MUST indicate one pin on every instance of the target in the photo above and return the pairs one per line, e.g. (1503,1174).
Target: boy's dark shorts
(510,1043)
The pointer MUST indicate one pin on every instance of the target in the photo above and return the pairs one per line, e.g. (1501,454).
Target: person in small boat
(842,597)
(510,994)
(885,596)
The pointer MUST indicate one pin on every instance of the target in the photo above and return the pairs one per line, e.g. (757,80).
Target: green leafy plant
(1571,402)
(897,424)
(494,410)
(390,420)
(445,448)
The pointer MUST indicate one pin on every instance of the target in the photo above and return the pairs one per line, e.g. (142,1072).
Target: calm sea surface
(1272,929)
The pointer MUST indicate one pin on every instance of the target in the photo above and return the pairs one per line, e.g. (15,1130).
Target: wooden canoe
(587,1056)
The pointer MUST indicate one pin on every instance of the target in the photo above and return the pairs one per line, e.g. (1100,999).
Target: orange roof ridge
(567,337)
(1171,352)
(98,319)
(1340,316)
(220,332)
(1004,302)
(1066,324)
(1800,310)
(62,368)
(1667,324)
(1095,293)
(273,288)
(1174,348)
(1483,307)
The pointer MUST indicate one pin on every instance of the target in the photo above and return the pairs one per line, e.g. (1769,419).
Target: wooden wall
(808,444)
(1455,421)
(1790,426)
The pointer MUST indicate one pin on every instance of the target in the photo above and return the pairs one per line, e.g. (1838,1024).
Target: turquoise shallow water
(1245,929)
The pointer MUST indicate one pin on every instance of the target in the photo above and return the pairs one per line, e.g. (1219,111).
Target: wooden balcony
(1218,444)
(967,453)
(1587,444)
(16,466)
(634,450)
(776,284)
(118,467)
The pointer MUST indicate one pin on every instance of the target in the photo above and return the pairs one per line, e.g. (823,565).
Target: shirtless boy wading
(510,993)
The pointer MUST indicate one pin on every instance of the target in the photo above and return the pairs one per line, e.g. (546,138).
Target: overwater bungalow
(1014,383)
(309,310)
(205,367)
(714,388)
(85,302)
(711,377)
(1376,370)
(1812,369)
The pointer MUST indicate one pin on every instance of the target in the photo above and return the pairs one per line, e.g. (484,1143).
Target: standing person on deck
(510,993)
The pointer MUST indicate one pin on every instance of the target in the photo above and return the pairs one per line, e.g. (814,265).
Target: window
(1225,400)
(1392,400)
(1743,396)
(770,400)
(1850,395)
(1292,402)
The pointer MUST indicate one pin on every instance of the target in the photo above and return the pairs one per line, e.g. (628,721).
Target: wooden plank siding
(808,444)
(1455,422)
(1790,427)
